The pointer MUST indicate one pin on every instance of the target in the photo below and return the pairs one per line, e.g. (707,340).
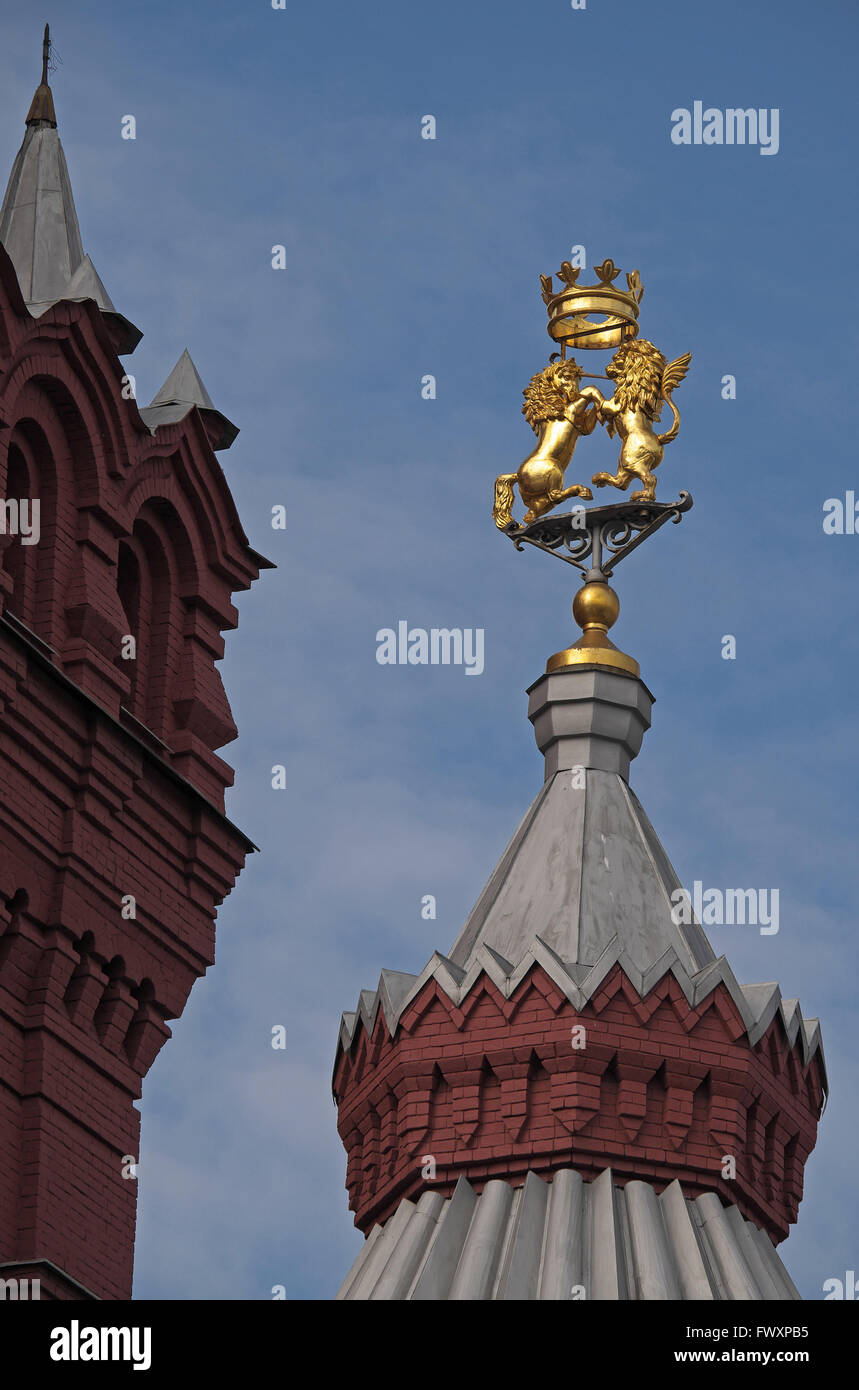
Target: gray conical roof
(40,231)
(181,392)
(38,222)
(584,884)
(586,873)
(184,386)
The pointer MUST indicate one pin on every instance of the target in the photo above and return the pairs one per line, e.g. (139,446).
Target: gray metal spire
(584,883)
(585,871)
(42,106)
(181,392)
(39,224)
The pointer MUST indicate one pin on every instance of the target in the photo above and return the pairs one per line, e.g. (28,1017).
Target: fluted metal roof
(567,1239)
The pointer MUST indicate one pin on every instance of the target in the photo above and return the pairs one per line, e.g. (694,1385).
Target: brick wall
(106,793)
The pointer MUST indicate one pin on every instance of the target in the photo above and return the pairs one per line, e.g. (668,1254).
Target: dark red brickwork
(495,1088)
(109,781)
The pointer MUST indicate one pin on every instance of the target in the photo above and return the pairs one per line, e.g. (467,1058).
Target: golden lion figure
(558,413)
(643,383)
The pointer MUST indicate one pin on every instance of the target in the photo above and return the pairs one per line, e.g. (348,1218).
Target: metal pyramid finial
(181,392)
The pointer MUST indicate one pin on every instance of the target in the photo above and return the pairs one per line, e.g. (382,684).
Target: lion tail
(502,511)
(672,376)
(672,433)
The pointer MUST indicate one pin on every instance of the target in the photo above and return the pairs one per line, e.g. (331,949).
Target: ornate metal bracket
(599,534)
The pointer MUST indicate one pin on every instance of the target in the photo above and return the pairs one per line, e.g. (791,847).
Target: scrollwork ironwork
(599,532)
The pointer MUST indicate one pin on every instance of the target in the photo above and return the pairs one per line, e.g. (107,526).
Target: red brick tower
(121,551)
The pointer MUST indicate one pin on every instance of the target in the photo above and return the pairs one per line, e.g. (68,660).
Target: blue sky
(258,127)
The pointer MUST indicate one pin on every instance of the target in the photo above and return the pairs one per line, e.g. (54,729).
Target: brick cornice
(658,1090)
(33,651)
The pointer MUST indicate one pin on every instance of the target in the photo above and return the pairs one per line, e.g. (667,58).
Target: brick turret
(581,1022)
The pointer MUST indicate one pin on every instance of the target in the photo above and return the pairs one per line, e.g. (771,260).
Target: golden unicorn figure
(558,413)
(644,381)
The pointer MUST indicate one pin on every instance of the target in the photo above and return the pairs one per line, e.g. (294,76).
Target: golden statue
(602,317)
(596,317)
(644,381)
(559,412)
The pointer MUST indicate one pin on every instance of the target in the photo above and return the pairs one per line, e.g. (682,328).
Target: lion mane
(637,369)
(548,394)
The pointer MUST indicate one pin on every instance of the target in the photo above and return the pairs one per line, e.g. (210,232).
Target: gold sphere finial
(595,608)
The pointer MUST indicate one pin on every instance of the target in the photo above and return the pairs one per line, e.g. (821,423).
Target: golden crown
(592,316)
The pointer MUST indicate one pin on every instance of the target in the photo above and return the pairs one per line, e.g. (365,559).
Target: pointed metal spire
(39,224)
(183,390)
(184,386)
(585,883)
(42,106)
